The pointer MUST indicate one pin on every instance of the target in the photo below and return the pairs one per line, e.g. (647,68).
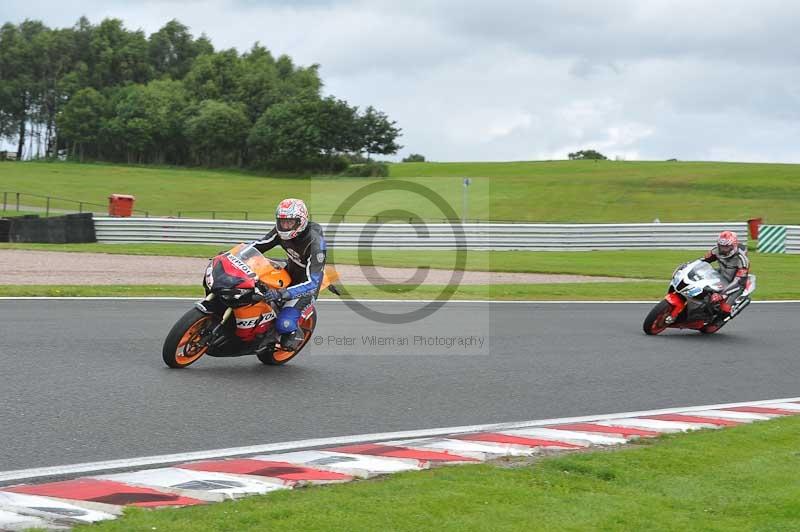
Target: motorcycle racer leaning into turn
(734,267)
(305,247)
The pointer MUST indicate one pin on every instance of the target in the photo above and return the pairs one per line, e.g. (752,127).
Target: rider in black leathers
(306,249)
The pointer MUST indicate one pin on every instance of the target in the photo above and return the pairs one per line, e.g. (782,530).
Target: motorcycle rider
(734,267)
(305,247)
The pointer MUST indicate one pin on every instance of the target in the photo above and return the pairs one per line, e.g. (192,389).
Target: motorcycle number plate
(694,291)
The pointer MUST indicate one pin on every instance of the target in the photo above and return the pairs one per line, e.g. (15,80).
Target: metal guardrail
(316,216)
(26,202)
(535,237)
(793,239)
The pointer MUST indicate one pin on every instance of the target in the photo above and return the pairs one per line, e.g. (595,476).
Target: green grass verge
(100,291)
(14,214)
(741,478)
(165,250)
(592,291)
(560,191)
(643,291)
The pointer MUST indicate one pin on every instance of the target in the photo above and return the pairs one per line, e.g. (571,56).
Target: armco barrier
(535,237)
(793,239)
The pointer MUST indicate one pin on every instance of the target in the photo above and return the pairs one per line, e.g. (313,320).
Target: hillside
(559,191)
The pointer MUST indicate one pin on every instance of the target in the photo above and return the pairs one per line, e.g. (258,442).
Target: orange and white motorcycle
(234,319)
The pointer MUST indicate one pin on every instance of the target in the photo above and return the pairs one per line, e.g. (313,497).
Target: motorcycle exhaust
(735,312)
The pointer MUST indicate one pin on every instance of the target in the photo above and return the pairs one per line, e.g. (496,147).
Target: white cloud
(519,79)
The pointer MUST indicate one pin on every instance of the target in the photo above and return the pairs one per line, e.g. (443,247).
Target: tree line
(104,92)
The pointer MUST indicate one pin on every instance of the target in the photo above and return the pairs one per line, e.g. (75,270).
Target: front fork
(218,337)
(677,303)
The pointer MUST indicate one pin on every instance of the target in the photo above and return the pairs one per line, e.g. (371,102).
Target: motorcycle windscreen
(248,254)
(270,273)
(700,276)
(703,271)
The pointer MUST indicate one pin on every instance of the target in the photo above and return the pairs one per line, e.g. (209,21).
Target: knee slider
(287,320)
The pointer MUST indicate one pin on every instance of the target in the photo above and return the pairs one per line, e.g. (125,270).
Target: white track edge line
(126,463)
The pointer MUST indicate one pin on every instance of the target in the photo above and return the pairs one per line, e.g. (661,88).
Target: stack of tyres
(69,229)
(5,226)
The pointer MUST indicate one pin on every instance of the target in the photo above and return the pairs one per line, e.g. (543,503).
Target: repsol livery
(272,302)
(239,315)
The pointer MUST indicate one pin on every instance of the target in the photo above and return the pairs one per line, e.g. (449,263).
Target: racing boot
(267,343)
(719,320)
(291,341)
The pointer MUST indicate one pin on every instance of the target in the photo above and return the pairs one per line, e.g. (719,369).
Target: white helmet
(291,218)
(727,244)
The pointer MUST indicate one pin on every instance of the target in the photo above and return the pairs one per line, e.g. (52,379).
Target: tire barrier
(69,229)
(5,225)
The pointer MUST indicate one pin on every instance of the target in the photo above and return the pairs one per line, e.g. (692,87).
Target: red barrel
(752,225)
(120,204)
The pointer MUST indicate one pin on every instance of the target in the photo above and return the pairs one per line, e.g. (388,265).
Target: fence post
(17,201)
(5,200)
(246,215)
(80,206)
(47,207)
(213,215)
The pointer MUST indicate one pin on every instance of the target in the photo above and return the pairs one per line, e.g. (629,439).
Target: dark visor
(725,250)
(287,224)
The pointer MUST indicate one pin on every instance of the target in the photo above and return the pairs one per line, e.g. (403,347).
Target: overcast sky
(524,79)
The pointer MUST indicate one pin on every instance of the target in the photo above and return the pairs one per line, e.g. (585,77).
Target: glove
(271,294)
(716,297)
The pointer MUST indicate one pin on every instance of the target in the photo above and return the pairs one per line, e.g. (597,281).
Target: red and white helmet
(291,218)
(727,244)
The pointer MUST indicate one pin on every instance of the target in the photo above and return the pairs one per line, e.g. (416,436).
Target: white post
(465,205)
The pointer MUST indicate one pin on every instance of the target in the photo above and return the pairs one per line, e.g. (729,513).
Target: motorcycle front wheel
(187,341)
(656,320)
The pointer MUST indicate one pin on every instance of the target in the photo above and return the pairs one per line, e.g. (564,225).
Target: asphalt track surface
(83,381)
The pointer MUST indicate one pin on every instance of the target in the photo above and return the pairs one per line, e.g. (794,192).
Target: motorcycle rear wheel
(278,357)
(655,322)
(187,341)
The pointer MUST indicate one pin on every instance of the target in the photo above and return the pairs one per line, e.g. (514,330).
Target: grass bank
(567,291)
(741,478)
(547,191)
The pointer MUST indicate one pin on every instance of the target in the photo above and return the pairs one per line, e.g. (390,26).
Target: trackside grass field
(566,291)
(740,478)
(546,191)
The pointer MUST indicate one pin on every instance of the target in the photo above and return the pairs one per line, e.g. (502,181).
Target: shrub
(414,158)
(371,169)
(587,154)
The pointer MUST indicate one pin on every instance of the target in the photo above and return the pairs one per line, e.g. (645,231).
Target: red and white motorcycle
(687,304)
